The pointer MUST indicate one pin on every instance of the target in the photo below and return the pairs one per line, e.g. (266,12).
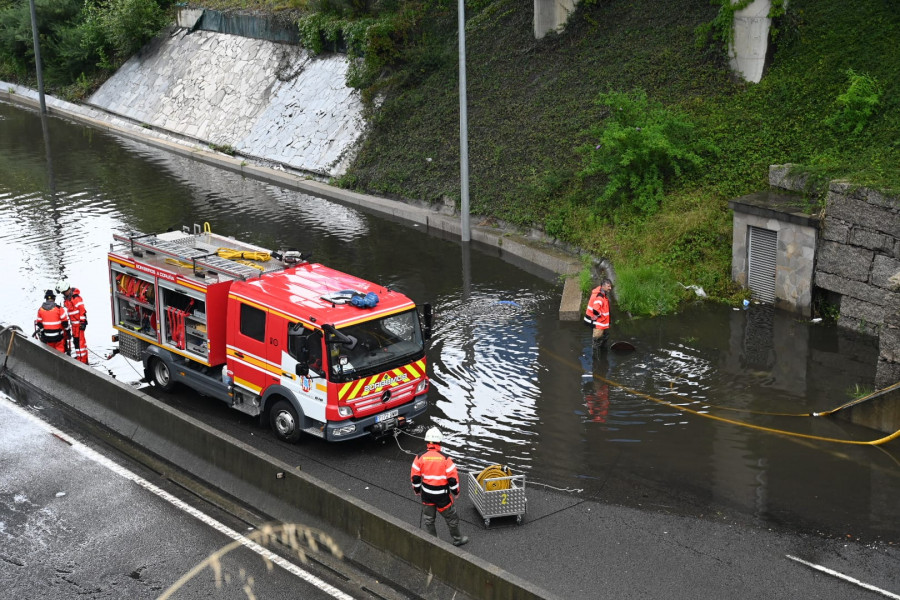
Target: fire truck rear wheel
(285,422)
(161,375)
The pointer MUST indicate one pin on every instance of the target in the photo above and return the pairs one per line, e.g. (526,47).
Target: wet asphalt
(78,523)
(579,547)
(69,526)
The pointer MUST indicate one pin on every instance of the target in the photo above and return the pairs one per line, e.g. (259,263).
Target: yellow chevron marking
(352,390)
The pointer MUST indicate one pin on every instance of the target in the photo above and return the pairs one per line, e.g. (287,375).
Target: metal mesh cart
(491,503)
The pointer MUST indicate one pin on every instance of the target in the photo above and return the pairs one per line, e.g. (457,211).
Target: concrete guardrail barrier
(396,550)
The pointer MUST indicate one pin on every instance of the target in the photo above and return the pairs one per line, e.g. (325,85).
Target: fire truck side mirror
(333,336)
(428,318)
(300,349)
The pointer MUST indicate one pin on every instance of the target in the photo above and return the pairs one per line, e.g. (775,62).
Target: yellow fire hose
(877,442)
(492,472)
(706,415)
(232,254)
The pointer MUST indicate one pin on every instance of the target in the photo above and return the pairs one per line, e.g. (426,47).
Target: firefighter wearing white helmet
(435,479)
(77,318)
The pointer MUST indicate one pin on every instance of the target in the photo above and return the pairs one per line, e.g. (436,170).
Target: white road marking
(234,535)
(844,577)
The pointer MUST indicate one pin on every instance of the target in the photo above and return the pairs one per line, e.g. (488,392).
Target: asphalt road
(79,521)
(578,547)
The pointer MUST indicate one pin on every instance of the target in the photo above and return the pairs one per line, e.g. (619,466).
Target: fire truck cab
(303,346)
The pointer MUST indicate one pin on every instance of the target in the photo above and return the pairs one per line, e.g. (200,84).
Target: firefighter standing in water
(435,479)
(77,318)
(597,314)
(52,323)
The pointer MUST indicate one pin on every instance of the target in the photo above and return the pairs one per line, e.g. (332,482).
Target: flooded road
(683,423)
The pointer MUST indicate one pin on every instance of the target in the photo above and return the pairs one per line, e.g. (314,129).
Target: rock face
(263,99)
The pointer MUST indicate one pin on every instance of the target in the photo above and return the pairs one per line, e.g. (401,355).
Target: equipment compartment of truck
(507,500)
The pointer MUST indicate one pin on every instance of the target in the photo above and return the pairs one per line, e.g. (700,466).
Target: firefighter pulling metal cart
(496,492)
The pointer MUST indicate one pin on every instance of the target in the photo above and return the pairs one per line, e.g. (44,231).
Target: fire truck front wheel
(285,422)
(161,375)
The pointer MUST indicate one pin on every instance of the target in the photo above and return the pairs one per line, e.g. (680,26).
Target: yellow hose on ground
(877,442)
(705,415)
(492,472)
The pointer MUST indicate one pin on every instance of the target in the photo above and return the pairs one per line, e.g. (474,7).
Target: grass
(648,290)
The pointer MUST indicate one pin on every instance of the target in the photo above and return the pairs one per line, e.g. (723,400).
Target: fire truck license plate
(387,415)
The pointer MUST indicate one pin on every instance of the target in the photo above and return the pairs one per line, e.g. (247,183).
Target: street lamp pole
(463,130)
(37,58)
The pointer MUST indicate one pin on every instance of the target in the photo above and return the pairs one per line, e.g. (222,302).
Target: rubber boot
(453,525)
(428,516)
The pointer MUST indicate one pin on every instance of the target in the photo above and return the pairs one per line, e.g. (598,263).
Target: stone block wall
(859,254)
(858,261)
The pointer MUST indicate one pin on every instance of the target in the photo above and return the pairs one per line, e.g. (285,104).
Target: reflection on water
(661,426)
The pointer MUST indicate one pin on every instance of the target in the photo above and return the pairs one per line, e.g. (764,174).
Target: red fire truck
(303,346)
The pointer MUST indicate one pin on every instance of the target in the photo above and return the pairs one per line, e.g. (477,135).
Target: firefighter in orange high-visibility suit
(52,323)
(597,314)
(77,319)
(435,480)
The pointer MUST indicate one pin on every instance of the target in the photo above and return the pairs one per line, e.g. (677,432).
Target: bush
(375,42)
(857,105)
(641,145)
(54,19)
(119,28)
(77,38)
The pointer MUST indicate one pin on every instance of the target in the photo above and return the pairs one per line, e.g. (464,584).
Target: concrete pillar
(551,15)
(751,40)
(187,17)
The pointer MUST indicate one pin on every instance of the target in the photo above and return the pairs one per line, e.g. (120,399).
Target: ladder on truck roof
(190,248)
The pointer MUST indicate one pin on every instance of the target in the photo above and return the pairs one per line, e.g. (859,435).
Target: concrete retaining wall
(396,550)
(263,99)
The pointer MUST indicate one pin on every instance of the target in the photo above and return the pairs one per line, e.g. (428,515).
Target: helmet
(433,435)
(62,285)
(49,295)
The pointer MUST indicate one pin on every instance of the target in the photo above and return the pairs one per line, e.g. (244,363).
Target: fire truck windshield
(380,344)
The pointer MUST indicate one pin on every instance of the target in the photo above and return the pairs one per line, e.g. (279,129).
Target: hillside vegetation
(621,135)
(533,111)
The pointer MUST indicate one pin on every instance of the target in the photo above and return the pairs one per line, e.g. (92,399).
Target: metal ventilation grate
(762,249)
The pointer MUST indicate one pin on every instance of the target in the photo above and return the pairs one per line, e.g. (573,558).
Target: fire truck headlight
(345,411)
(422,386)
(420,405)
(345,430)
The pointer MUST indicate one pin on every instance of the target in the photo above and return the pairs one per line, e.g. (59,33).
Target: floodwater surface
(709,413)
